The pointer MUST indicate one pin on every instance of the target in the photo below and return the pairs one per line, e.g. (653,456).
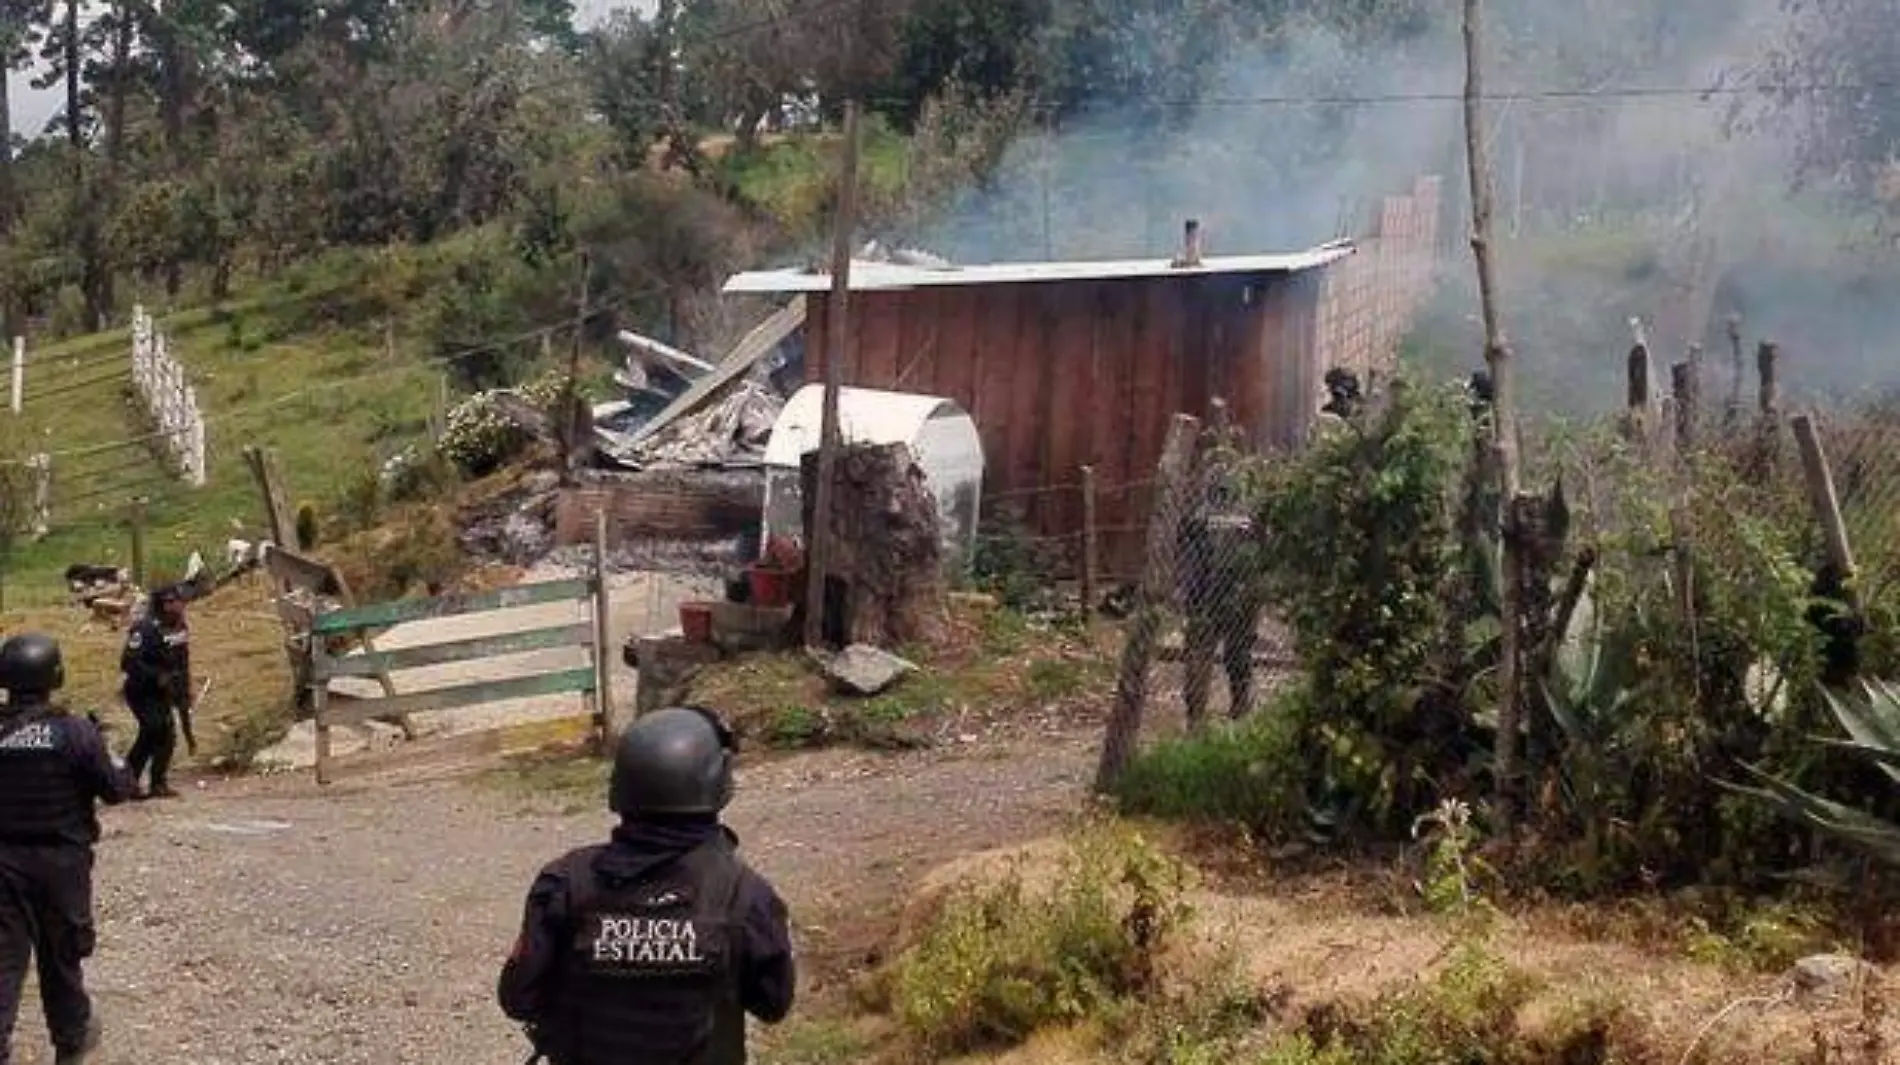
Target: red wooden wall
(1062,374)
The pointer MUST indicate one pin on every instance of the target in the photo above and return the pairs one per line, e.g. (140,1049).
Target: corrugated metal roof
(874,276)
(865,416)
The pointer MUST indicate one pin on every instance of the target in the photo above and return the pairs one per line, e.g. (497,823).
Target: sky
(33,108)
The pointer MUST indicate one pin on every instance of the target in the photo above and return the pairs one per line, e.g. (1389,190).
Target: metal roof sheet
(874,276)
(865,416)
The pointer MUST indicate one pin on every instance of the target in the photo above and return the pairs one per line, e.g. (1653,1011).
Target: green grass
(791,180)
(331,403)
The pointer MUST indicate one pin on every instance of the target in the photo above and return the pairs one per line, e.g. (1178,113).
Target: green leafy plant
(1872,723)
(1004,960)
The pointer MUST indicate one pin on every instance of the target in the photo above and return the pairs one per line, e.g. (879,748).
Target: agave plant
(1872,723)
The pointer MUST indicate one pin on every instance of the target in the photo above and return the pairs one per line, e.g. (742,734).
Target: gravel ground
(259,921)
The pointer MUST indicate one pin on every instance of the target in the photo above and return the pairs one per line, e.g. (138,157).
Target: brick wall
(1370,298)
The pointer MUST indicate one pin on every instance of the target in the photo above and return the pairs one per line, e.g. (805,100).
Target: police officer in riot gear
(157,667)
(653,947)
(53,767)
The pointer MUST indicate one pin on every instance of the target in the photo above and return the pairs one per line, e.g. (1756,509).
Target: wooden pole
(1091,550)
(566,426)
(320,713)
(1131,687)
(19,371)
(1733,414)
(138,541)
(1826,502)
(603,651)
(1497,357)
(1636,392)
(837,328)
(1767,370)
(1682,386)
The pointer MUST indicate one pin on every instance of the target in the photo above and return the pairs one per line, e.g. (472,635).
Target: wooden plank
(395,612)
(579,681)
(1059,367)
(1027,329)
(955,375)
(920,344)
(577,634)
(603,662)
(300,571)
(817,338)
(879,361)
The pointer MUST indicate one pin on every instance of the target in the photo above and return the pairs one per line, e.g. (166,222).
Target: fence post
(603,660)
(42,464)
(1826,502)
(1131,688)
(19,371)
(138,541)
(1090,547)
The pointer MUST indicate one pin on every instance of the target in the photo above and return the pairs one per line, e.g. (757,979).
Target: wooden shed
(1072,364)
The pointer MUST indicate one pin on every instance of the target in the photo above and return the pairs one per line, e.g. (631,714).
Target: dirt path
(261,922)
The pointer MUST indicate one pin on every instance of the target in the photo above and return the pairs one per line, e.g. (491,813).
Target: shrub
(1002,961)
(1247,773)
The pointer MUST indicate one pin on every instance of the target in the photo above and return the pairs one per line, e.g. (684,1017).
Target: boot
(162,791)
(81,1054)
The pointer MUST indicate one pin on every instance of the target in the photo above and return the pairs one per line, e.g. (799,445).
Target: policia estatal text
(653,947)
(53,768)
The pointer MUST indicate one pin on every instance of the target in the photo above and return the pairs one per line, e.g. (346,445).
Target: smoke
(1621,191)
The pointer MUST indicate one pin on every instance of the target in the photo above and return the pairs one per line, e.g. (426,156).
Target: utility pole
(837,327)
(1497,358)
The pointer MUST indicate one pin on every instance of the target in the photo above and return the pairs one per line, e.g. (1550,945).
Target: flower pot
(696,622)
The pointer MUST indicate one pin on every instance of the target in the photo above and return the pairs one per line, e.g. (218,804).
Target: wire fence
(1741,512)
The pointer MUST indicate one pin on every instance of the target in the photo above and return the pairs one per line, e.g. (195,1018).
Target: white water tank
(942,438)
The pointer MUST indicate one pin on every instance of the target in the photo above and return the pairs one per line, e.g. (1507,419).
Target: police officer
(1219,576)
(157,667)
(52,768)
(653,947)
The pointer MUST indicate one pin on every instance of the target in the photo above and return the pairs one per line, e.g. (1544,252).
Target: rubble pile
(729,432)
(514,525)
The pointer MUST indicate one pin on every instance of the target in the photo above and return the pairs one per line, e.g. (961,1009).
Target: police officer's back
(53,768)
(653,947)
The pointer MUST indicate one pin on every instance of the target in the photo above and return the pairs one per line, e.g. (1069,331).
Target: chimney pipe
(1190,244)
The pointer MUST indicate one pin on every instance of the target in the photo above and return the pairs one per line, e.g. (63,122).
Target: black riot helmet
(31,666)
(673,761)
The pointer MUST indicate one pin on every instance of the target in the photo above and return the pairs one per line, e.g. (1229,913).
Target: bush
(1247,773)
(1001,962)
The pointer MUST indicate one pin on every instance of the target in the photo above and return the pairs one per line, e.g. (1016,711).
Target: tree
(1827,85)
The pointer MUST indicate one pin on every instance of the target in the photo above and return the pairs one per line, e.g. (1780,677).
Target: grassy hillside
(331,401)
(334,364)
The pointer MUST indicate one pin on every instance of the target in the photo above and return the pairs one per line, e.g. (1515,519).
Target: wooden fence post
(1682,386)
(1826,502)
(138,541)
(42,464)
(1131,688)
(1091,549)
(1768,400)
(319,706)
(603,652)
(19,371)
(1637,399)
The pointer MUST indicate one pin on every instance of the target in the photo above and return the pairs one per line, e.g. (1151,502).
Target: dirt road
(261,921)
